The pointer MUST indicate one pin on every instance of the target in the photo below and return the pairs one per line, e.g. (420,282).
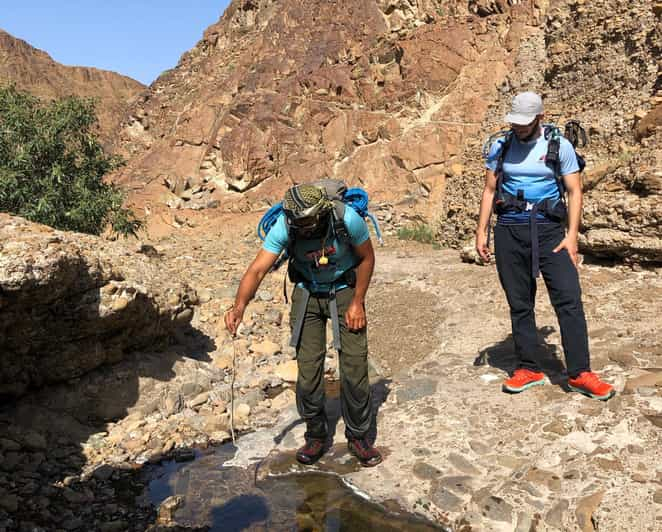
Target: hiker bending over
(529,169)
(331,263)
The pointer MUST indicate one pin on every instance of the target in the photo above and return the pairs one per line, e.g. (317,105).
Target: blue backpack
(342,197)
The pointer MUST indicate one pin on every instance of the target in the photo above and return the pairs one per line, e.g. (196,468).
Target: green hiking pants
(353,357)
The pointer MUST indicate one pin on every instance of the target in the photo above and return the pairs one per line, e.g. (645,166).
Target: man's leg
(355,398)
(562,281)
(310,361)
(513,260)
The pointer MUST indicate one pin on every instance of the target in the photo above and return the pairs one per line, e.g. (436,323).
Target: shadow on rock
(70,452)
(502,356)
(379,391)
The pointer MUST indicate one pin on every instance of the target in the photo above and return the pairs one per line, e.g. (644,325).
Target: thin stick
(234,372)
(234,357)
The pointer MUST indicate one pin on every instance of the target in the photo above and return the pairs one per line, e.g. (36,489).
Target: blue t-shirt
(524,169)
(308,252)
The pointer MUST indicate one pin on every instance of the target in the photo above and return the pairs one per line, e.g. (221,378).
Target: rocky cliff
(397,95)
(381,93)
(35,71)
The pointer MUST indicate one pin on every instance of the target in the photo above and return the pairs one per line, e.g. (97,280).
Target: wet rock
(113,526)
(168,508)
(103,472)
(34,441)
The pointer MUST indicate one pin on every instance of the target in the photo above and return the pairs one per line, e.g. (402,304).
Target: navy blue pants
(512,245)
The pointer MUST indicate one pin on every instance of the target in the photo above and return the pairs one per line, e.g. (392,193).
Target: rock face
(71,302)
(379,93)
(397,96)
(36,72)
(597,63)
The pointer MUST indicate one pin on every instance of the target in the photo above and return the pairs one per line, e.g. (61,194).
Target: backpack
(503,201)
(342,197)
(554,209)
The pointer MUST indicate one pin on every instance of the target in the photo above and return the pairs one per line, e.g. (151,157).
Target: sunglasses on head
(308,222)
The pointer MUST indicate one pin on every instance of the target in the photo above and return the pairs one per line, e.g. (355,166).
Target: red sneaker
(523,379)
(590,384)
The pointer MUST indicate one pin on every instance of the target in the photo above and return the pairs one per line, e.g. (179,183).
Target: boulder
(71,302)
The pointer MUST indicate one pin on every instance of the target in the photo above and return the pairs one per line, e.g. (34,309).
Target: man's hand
(233,317)
(355,316)
(482,247)
(569,243)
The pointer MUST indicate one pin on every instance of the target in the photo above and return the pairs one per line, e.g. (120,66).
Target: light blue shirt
(307,252)
(524,169)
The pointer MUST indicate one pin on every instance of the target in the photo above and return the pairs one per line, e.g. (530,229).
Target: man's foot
(366,453)
(590,384)
(311,452)
(523,379)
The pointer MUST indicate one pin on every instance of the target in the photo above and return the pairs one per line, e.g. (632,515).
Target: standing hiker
(331,260)
(528,171)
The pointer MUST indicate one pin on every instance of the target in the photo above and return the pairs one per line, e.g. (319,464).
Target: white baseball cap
(526,106)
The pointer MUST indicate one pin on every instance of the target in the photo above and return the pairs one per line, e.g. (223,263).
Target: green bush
(419,232)
(52,166)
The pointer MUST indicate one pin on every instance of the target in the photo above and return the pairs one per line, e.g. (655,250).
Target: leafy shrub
(419,232)
(52,165)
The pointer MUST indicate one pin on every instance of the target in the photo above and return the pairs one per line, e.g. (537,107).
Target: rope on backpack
(357,198)
(268,220)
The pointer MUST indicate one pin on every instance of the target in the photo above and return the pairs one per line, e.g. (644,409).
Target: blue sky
(139,38)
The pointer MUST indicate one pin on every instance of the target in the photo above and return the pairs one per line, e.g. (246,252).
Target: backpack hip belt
(348,279)
(555,210)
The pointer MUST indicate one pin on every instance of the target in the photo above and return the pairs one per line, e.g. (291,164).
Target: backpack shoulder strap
(553,156)
(338,221)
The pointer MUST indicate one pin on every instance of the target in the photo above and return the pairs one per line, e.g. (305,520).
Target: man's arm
(355,317)
(573,184)
(249,284)
(486,203)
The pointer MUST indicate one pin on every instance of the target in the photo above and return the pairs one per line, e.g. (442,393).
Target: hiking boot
(590,385)
(522,379)
(311,451)
(366,453)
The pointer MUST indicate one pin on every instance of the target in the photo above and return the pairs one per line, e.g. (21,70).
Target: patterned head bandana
(305,201)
